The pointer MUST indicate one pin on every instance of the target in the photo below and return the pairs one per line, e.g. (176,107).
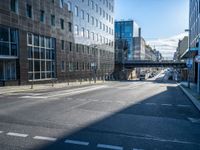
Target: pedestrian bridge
(146,64)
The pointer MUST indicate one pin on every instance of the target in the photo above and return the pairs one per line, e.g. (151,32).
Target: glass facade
(88,21)
(125,31)
(41,57)
(8,53)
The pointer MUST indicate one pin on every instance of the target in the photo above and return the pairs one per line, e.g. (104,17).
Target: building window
(70,46)
(41,57)
(61,3)
(53,20)
(70,66)
(76,30)
(62,44)
(70,26)
(69,6)
(42,17)
(14,5)
(92,20)
(62,66)
(8,41)
(82,32)
(82,14)
(87,34)
(76,11)
(62,24)
(29,11)
(88,18)
(96,7)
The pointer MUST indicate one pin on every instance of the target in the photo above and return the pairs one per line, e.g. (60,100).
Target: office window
(76,11)
(70,46)
(29,11)
(53,20)
(62,66)
(41,57)
(96,8)
(62,45)
(82,32)
(92,35)
(69,6)
(42,17)
(76,30)
(82,14)
(92,4)
(92,20)
(14,5)
(87,34)
(61,3)
(71,66)
(88,17)
(70,26)
(97,22)
(8,41)
(62,23)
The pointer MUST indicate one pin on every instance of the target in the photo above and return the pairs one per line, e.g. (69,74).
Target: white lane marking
(79,91)
(44,138)
(150,103)
(194,120)
(77,142)
(109,147)
(183,105)
(1,132)
(166,104)
(137,149)
(17,134)
(35,97)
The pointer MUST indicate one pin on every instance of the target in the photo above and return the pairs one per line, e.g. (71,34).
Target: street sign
(197,59)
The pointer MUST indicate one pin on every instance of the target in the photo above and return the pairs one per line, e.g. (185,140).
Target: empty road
(135,115)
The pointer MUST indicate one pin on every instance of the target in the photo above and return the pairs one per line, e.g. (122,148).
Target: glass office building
(126,31)
(93,23)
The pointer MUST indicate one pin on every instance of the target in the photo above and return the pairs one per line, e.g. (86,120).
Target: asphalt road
(137,115)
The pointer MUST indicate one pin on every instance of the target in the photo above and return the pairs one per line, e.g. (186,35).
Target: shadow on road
(128,123)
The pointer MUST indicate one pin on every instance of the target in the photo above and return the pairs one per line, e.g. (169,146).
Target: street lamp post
(190,57)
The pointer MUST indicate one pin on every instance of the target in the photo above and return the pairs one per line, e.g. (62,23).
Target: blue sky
(157,18)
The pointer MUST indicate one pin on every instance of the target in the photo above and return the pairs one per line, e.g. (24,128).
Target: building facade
(39,41)
(126,31)
(194,35)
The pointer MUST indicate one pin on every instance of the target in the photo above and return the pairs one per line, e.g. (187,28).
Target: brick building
(37,43)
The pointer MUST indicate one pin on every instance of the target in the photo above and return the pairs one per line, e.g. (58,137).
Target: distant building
(126,31)
(182,49)
(150,54)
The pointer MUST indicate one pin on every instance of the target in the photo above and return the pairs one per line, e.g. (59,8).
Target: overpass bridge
(150,64)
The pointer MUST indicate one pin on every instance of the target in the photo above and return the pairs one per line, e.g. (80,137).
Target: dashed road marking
(77,142)
(44,138)
(1,132)
(183,106)
(109,147)
(150,103)
(194,120)
(137,149)
(17,134)
(166,104)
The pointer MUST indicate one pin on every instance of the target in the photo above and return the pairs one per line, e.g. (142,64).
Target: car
(142,77)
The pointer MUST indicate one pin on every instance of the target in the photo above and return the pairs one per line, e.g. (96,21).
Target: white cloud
(167,46)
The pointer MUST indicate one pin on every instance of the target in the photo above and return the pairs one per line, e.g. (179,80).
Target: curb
(44,88)
(192,98)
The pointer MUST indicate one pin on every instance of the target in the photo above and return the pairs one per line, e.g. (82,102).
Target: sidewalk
(23,88)
(191,93)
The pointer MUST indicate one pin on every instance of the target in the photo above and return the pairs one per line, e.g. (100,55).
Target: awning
(187,53)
